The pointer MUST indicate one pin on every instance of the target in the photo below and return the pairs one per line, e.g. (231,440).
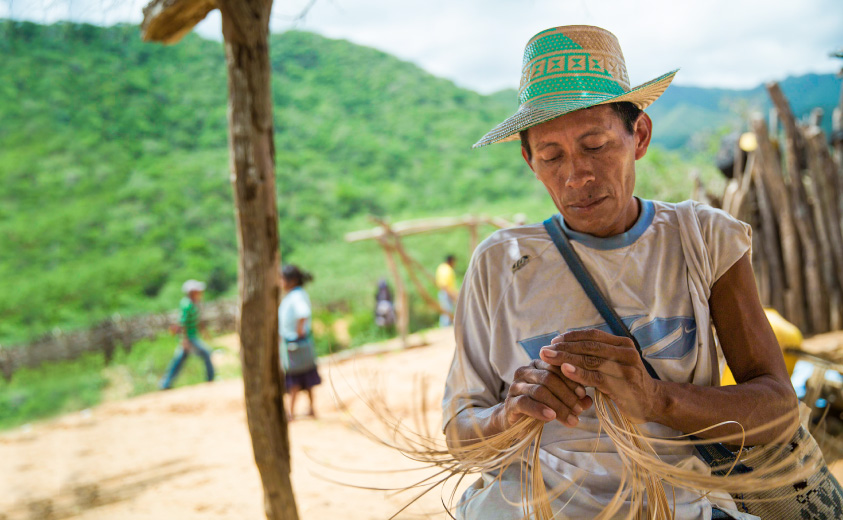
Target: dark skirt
(303,381)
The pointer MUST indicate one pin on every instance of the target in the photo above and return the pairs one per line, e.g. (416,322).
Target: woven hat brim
(543,110)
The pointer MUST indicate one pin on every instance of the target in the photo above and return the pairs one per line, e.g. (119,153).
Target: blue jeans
(447,304)
(178,360)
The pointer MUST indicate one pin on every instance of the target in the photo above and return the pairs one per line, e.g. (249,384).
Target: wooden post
(827,188)
(402,310)
(770,242)
(245,27)
(815,291)
(472,239)
(771,174)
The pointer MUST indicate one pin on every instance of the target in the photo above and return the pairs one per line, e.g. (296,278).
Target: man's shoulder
(707,215)
(511,244)
(186,303)
(672,212)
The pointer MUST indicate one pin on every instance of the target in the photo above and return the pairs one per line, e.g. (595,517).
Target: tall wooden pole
(245,28)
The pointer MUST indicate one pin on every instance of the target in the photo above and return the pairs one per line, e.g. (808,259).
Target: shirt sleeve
(472,380)
(300,308)
(727,238)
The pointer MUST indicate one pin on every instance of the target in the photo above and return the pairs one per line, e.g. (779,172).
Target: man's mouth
(586,204)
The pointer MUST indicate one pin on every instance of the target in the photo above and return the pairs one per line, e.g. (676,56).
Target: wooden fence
(790,189)
(105,337)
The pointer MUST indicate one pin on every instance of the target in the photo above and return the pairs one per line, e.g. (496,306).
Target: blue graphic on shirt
(534,344)
(674,338)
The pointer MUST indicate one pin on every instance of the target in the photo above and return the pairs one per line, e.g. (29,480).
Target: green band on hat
(570,86)
(551,43)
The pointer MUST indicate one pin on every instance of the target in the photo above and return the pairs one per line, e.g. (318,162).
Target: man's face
(586,160)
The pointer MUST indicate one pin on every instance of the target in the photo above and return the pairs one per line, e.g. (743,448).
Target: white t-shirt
(294,306)
(519,293)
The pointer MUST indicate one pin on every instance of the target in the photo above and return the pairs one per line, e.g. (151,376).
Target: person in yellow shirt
(446,282)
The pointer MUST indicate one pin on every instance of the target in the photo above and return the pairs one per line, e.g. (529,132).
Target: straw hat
(569,68)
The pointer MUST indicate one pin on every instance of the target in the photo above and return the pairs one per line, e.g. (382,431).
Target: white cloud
(478,44)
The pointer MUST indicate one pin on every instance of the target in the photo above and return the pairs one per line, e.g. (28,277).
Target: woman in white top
(298,355)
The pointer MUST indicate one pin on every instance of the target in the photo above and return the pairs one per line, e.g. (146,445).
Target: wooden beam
(167,21)
(426,225)
(771,243)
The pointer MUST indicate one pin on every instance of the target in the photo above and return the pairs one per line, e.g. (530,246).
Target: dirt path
(186,454)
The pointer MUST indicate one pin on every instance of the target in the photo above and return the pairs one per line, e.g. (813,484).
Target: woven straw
(570,68)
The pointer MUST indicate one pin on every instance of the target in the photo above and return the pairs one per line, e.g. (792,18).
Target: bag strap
(557,234)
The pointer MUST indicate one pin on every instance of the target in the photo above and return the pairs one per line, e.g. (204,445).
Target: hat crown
(571,68)
(574,60)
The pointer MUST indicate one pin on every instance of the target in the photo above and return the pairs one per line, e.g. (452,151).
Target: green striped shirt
(189,317)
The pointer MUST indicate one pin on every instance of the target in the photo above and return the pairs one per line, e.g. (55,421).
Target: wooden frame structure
(389,237)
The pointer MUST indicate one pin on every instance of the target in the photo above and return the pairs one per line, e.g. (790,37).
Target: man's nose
(581,173)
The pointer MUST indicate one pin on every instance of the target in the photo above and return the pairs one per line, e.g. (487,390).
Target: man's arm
(762,396)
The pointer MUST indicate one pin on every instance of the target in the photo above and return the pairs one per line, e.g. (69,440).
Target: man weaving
(529,340)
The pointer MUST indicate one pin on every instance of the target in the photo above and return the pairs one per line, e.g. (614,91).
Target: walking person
(298,355)
(189,328)
(384,307)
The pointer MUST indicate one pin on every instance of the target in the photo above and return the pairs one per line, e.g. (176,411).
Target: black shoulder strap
(557,234)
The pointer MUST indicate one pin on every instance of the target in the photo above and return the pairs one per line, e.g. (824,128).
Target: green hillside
(114,165)
(685,116)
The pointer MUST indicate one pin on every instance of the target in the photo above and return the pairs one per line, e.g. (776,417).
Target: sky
(478,44)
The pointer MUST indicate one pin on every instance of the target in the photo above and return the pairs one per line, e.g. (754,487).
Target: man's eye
(595,148)
(552,159)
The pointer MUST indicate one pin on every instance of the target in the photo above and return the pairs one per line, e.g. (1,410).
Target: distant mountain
(686,116)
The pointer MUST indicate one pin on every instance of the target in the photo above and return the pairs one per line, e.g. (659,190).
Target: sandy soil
(186,454)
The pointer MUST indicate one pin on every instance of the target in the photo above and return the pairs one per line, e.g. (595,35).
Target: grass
(56,388)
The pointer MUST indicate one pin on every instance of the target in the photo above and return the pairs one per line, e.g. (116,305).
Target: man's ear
(526,157)
(642,132)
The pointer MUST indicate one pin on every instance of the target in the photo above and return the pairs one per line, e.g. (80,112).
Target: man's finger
(591,335)
(553,354)
(607,367)
(597,379)
(572,385)
(567,391)
(545,398)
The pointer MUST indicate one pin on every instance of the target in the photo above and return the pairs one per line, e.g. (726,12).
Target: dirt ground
(186,454)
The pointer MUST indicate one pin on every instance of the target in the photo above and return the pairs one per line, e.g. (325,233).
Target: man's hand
(609,363)
(541,391)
